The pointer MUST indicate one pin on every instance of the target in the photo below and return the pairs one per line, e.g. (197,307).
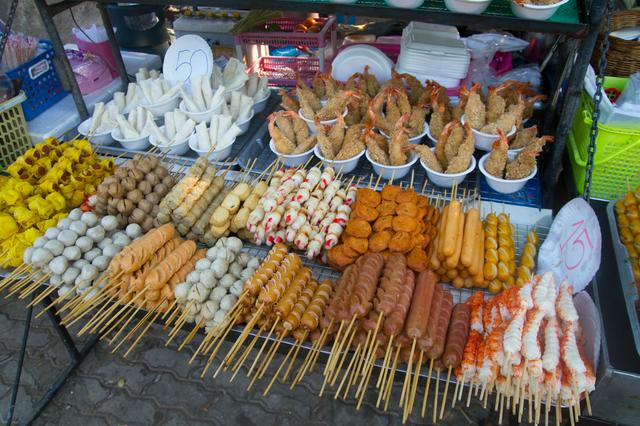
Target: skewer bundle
(134,191)
(459,257)
(525,343)
(306,209)
(394,220)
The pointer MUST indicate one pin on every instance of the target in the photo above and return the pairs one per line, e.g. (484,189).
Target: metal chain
(7,27)
(597,98)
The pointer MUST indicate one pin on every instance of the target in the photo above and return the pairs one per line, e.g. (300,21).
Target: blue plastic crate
(39,81)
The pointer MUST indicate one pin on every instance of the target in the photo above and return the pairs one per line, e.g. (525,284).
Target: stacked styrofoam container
(433,52)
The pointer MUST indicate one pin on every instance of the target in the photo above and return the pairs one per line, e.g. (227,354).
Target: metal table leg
(23,351)
(115,49)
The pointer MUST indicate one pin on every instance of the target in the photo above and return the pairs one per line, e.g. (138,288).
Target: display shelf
(570,19)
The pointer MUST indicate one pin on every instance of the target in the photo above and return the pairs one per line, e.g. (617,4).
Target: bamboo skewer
(381,385)
(293,359)
(133,312)
(240,362)
(228,325)
(414,388)
(435,403)
(265,365)
(264,344)
(158,312)
(407,377)
(277,373)
(191,334)
(12,276)
(426,390)
(387,394)
(352,335)
(444,397)
(346,374)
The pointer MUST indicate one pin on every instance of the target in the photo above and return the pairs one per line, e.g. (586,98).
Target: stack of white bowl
(433,52)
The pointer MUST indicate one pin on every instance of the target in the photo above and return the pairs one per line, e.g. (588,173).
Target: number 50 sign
(189,56)
(573,247)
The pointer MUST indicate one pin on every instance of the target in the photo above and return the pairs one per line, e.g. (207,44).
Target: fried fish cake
(401,242)
(360,245)
(407,209)
(404,224)
(383,223)
(406,196)
(358,228)
(389,192)
(337,258)
(368,197)
(366,212)
(379,241)
(422,202)
(386,208)
(417,259)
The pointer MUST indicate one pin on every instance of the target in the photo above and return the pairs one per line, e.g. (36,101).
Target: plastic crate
(288,36)
(284,70)
(616,160)
(14,136)
(39,81)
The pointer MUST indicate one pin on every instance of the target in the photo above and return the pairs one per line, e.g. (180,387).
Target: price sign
(573,247)
(189,56)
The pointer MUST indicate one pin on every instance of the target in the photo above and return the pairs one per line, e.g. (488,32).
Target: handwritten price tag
(573,247)
(189,56)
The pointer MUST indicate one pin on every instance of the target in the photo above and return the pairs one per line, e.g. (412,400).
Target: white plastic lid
(354,58)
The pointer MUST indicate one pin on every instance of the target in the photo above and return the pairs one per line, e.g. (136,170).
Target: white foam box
(213,30)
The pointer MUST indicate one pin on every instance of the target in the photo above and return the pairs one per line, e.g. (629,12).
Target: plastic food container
(176,148)
(102,138)
(474,7)
(203,116)
(504,186)
(259,105)
(405,4)
(292,160)
(312,124)
(216,155)
(484,141)
(535,12)
(160,108)
(447,180)
(416,139)
(397,172)
(138,144)
(344,166)
(244,125)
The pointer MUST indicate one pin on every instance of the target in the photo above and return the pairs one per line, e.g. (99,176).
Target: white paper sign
(573,247)
(189,56)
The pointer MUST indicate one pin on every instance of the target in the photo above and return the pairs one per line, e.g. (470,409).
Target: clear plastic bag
(629,100)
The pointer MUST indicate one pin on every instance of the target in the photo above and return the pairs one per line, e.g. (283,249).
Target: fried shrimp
(336,133)
(376,152)
(524,137)
(496,104)
(497,160)
(460,162)
(399,144)
(324,143)
(455,139)
(353,143)
(337,103)
(288,103)
(282,144)
(428,157)
(474,110)
(442,143)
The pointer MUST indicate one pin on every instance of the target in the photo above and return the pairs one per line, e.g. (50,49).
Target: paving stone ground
(156,385)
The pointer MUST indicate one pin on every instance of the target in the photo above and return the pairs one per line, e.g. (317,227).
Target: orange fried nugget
(407,209)
(422,201)
(401,242)
(368,196)
(389,192)
(379,241)
(349,252)
(420,240)
(404,224)
(422,212)
(383,223)
(358,228)
(407,196)
(417,259)
(386,208)
(337,258)
(366,212)
(360,245)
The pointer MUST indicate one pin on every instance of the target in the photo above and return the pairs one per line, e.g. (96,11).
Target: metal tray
(628,284)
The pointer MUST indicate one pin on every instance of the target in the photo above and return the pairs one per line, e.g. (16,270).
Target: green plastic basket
(617,158)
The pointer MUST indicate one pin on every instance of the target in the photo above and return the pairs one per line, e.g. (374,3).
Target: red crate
(288,37)
(284,70)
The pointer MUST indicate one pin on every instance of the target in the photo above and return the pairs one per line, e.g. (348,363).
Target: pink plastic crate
(288,37)
(284,71)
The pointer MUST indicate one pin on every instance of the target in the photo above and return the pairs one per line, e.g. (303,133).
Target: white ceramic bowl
(416,139)
(474,7)
(484,141)
(405,4)
(244,125)
(260,104)
(229,90)
(102,138)
(433,141)
(344,166)
(447,180)
(312,124)
(397,172)
(292,160)
(535,12)
(176,148)
(138,144)
(504,186)
(202,116)
(216,155)
(160,108)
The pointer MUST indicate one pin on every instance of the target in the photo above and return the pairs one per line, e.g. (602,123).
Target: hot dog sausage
(457,335)
(426,341)
(440,335)
(396,321)
(416,325)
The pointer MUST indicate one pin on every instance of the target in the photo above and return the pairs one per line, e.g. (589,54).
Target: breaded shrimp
(455,139)
(496,104)
(305,145)
(497,160)
(399,143)
(474,110)
(460,162)
(282,144)
(336,133)
(337,103)
(324,143)
(353,143)
(288,103)
(442,143)
(522,166)
(371,82)
(428,157)
(524,137)
(283,121)
(376,152)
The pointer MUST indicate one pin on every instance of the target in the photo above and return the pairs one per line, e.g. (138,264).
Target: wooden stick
(176,313)
(444,397)
(19,270)
(277,373)
(387,394)
(455,391)
(191,334)
(245,332)
(133,330)
(220,338)
(264,344)
(293,359)
(386,360)
(426,389)
(240,362)
(364,389)
(407,376)
(414,388)
(158,312)
(351,336)
(134,313)
(435,403)
(42,296)
(346,374)
(265,365)
(586,397)
(313,355)
(345,355)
